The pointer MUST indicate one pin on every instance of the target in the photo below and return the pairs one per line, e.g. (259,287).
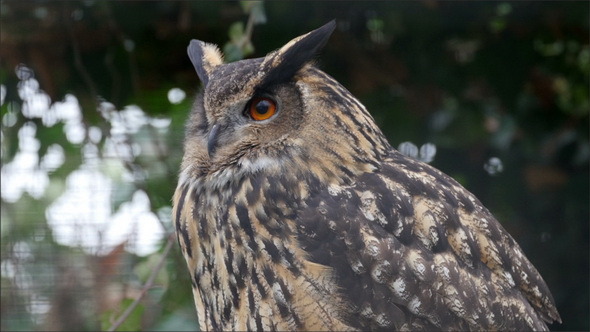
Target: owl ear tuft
(205,57)
(289,59)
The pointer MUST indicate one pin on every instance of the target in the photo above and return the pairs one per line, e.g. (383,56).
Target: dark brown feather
(311,221)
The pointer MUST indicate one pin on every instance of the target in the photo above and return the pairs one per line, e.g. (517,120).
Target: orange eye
(262,108)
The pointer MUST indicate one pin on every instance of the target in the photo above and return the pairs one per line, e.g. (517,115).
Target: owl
(293,212)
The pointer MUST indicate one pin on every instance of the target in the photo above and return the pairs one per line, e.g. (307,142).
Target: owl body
(294,213)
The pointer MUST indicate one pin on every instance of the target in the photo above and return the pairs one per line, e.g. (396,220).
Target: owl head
(278,111)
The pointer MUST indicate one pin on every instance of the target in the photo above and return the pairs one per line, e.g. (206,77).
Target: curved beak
(212,139)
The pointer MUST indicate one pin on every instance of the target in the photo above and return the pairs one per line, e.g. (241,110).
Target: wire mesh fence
(92,110)
(80,234)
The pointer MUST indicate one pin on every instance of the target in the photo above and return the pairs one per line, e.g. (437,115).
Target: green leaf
(236,31)
(503,9)
(145,269)
(182,319)
(232,52)
(256,10)
(248,49)
(131,323)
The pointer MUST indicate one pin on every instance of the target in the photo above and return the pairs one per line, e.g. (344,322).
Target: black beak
(212,140)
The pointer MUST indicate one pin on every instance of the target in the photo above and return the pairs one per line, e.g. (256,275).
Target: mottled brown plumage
(310,220)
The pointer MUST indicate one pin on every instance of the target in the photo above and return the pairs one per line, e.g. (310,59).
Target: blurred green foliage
(486,82)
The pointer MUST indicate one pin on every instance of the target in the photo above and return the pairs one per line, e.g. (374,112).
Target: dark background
(506,80)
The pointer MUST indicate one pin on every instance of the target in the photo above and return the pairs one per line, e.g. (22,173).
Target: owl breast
(247,267)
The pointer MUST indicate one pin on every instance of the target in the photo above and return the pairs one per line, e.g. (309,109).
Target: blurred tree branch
(146,287)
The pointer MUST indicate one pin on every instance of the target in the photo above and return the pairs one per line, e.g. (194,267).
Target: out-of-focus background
(94,95)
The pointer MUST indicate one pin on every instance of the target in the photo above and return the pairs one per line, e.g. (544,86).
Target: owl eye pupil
(261,108)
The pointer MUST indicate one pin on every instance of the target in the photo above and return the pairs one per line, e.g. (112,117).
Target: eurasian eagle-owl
(294,212)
